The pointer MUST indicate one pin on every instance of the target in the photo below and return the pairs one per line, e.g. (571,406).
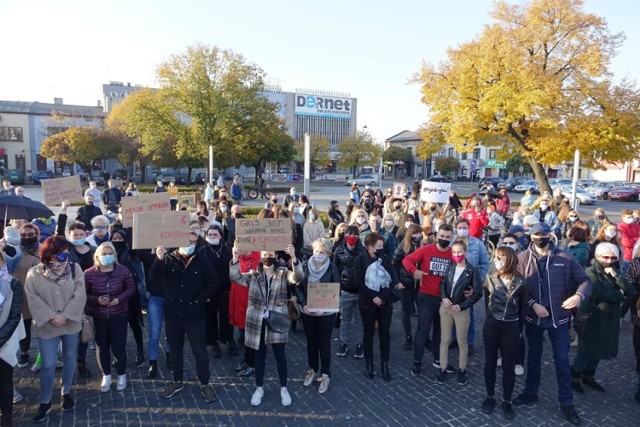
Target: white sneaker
(122,382)
(311,376)
(519,370)
(35,368)
(324,384)
(499,363)
(256,399)
(17,397)
(285,396)
(106,384)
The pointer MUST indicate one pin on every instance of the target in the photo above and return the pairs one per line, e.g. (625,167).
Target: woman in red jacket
(109,286)
(238,302)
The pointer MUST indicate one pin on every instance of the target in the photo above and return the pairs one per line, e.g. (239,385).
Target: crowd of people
(546,271)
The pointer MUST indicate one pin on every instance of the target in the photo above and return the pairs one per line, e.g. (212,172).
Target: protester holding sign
(267,306)
(318,323)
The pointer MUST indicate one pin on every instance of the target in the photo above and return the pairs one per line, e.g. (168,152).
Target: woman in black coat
(335,216)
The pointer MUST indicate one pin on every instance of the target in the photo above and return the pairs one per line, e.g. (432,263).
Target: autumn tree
(80,145)
(515,163)
(320,152)
(358,150)
(397,154)
(535,82)
(447,165)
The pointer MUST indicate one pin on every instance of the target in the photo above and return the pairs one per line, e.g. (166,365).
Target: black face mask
(238,215)
(268,262)
(416,239)
(28,241)
(379,253)
(444,244)
(120,246)
(542,242)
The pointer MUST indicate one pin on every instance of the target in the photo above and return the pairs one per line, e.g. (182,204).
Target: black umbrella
(20,207)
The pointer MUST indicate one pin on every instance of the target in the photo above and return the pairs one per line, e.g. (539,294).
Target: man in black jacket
(190,282)
(344,258)
(111,197)
(87,212)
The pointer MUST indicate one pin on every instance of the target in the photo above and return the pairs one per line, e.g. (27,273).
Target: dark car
(509,184)
(439,178)
(493,180)
(41,175)
(15,176)
(200,178)
(97,177)
(181,180)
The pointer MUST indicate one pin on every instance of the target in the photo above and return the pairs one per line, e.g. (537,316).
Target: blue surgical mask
(107,260)
(320,258)
(62,256)
(78,242)
(312,218)
(187,250)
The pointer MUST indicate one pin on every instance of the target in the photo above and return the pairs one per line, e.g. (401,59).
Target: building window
(464,156)
(476,154)
(451,153)
(11,133)
(492,154)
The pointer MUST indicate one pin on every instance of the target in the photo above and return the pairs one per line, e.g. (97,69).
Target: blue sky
(68,48)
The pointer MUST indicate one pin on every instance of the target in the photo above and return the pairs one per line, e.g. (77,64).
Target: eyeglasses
(101,227)
(27,234)
(609,258)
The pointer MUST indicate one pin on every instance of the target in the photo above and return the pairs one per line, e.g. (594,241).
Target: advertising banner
(323,106)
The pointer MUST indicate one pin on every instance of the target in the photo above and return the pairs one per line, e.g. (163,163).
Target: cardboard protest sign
(152,229)
(437,192)
(399,190)
(145,202)
(323,297)
(56,190)
(265,234)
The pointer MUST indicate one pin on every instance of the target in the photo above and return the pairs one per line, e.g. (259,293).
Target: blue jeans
(49,355)
(156,315)
(428,317)
(350,319)
(559,338)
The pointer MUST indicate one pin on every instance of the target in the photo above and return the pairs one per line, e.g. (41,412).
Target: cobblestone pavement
(352,400)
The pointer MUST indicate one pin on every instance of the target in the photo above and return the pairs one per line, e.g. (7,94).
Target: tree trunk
(259,167)
(540,174)
(189,172)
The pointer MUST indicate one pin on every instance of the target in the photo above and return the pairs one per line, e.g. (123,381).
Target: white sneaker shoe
(324,384)
(106,384)
(311,376)
(499,363)
(256,399)
(17,397)
(285,396)
(35,368)
(519,370)
(122,382)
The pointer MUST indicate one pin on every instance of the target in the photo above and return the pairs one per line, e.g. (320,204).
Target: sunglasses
(609,258)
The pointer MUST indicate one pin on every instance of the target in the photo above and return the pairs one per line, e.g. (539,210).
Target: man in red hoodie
(630,231)
(434,260)
(477,218)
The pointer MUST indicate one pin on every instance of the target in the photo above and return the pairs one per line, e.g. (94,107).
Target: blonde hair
(354,215)
(323,245)
(100,249)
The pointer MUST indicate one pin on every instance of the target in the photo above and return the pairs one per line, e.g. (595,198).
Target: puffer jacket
(344,259)
(470,278)
(503,302)
(116,284)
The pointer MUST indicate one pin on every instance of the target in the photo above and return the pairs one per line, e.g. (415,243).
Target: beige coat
(48,299)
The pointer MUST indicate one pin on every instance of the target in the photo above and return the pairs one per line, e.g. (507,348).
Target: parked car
(181,180)
(624,193)
(15,176)
(494,180)
(582,196)
(530,185)
(166,178)
(602,189)
(200,178)
(439,178)
(41,175)
(510,183)
(364,179)
(97,177)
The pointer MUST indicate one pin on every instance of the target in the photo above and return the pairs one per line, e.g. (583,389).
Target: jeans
(318,331)
(218,326)
(6,393)
(349,318)
(279,353)
(111,336)
(370,315)
(559,338)
(428,316)
(461,320)
(194,330)
(49,356)
(502,336)
(408,296)
(156,316)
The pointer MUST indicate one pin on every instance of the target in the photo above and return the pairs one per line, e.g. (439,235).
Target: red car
(627,194)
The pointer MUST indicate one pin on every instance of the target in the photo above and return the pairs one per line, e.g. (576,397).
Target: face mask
(361,220)
(296,210)
(312,218)
(379,253)
(120,245)
(187,250)
(444,244)
(389,223)
(490,211)
(499,265)
(93,186)
(78,242)
(107,260)
(573,218)
(320,258)
(213,241)
(62,256)
(599,217)
(407,224)
(417,238)
(351,240)
(293,193)
(223,208)
(268,262)
(628,220)
(90,203)
(544,207)
(542,242)
(512,246)
(28,241)
(458,258)
(462,232)
(611,233)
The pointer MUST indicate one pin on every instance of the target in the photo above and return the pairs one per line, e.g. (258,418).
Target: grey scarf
(315,273)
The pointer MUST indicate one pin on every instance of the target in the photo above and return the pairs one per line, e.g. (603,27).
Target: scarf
(58,278)
(376,277)
(316,273)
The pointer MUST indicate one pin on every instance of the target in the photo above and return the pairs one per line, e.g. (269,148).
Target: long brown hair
(511,261)
(407,240)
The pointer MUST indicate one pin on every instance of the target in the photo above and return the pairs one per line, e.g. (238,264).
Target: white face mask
(320,258)
(361,220)
(610,233)
(462,232)
(213,241)
(544,206)
(407,224)
(187,250)
(499,264)
(629,220)
(389,223)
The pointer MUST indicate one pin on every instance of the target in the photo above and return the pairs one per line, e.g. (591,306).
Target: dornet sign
(323,106)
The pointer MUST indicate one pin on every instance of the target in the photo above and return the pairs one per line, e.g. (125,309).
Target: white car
(602,189)
(364,179)
(531,185)
(582,196)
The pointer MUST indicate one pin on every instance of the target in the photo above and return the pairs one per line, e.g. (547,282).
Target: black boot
(589,380)
(368,368)
(637,395)
(215,350)
(384,368)
(153,369)
(83,371)
(140,357)
(575,381)
(168,356)
(232,348)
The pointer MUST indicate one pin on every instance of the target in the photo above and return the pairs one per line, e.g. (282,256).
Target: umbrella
(20,207)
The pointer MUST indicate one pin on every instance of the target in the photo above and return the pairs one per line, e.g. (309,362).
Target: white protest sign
(437,192)
(399,190)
